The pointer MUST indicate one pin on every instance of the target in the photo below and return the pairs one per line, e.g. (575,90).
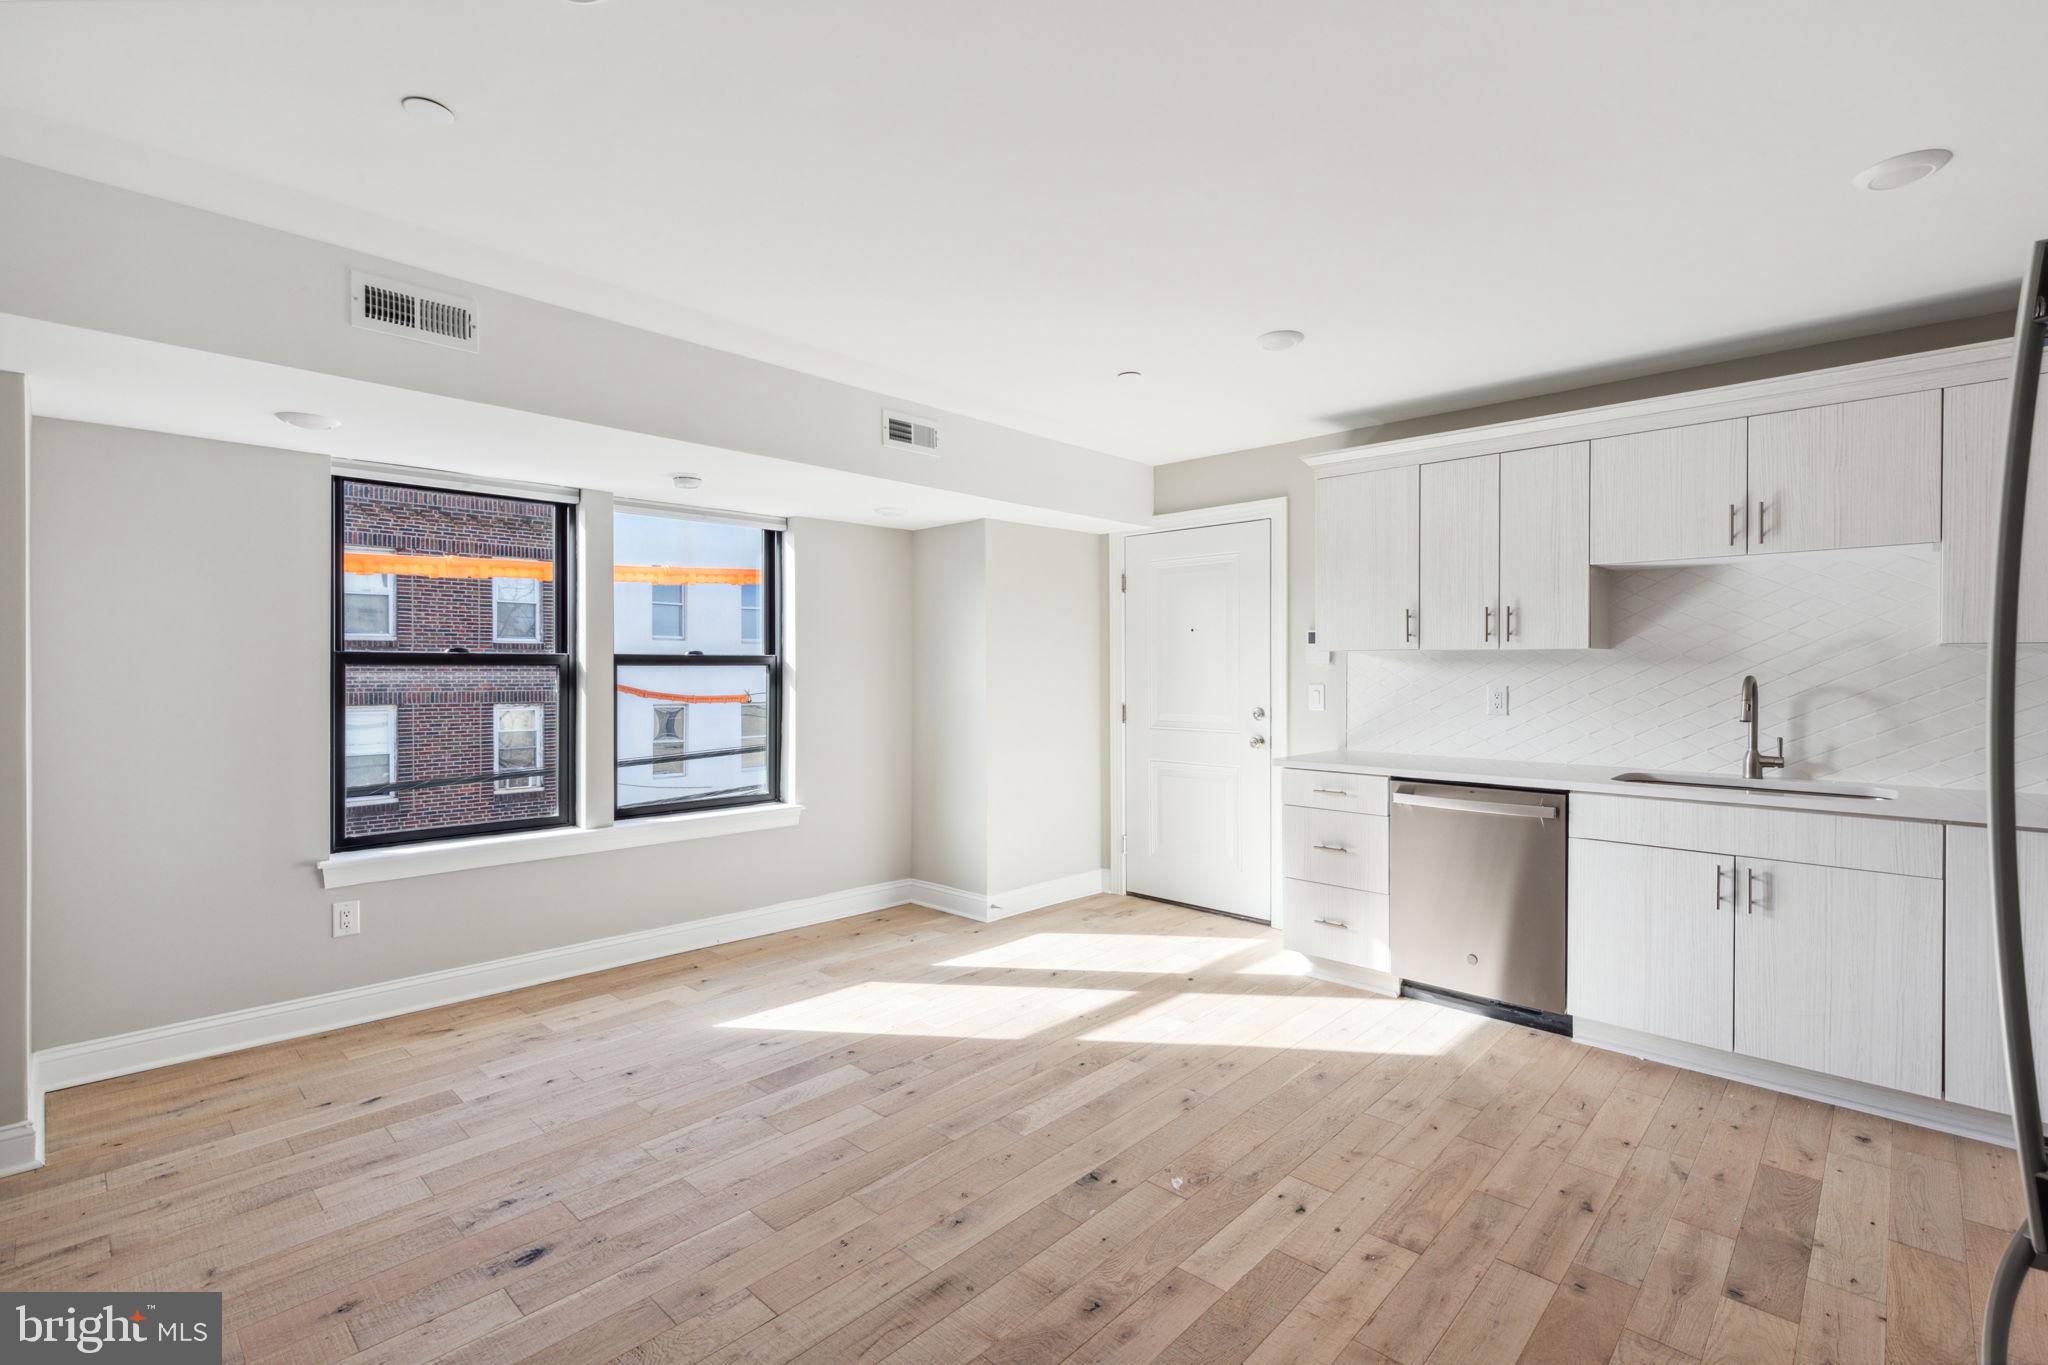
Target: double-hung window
(699,719)
(453,684)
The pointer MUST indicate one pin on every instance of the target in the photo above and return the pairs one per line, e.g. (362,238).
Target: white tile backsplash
(1842,645)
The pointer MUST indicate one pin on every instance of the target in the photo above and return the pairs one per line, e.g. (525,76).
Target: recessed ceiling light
(1907,168)
(1130,374)
(427,110)
(309,421)
(1280,341)
(888,511)
(687,481)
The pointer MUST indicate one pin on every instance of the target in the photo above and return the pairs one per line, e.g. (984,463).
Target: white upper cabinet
(1549,592)
(1845,475)
(1839,971)
(1366,560)
(1679,493)
(1972,465)
(1461,554)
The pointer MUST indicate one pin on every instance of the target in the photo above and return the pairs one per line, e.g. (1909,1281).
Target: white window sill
(362,866)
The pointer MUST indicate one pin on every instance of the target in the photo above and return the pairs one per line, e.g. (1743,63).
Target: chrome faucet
(1756,760)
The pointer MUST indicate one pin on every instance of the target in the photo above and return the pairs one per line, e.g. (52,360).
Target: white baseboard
(146,1049)
(21,1147)
(1940,1115)
(1003,904)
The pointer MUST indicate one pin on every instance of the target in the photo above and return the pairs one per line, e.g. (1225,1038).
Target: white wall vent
(409,311)
(909,433)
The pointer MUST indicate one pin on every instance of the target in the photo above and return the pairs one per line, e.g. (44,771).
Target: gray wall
(14,749)
(1046,753)
(180,600)
(1276,471)
(1011,737)
(950,786)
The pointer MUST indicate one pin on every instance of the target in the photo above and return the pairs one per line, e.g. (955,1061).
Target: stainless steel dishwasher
(1476,883)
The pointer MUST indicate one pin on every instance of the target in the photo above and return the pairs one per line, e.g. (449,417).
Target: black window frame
(562,658)
(770,658)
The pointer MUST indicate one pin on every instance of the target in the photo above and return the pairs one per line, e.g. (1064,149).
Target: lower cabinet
(1839,971)
(1339,924)
(1832,969)
(1652,941)
(1973,1037)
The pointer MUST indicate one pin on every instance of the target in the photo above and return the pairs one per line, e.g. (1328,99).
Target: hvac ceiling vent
(909,433)
(409,311)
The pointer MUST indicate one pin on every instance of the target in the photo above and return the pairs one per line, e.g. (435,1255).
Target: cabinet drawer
(1337,923)
(1910,847)
(1334,791)
(1336,848)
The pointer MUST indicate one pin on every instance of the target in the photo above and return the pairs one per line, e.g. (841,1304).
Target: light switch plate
(1497,699)
(1316,697)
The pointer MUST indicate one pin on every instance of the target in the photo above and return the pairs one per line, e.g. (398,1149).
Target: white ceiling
(994,208)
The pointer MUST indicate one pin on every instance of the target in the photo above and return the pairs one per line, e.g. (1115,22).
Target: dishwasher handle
(1518,811)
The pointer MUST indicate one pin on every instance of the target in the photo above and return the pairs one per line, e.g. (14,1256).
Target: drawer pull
(1331,791)
(1330,848)
(1334,923)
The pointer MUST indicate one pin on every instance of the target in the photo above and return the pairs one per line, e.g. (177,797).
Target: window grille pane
(684,734)
(472,571)
(679,586)
(456,727)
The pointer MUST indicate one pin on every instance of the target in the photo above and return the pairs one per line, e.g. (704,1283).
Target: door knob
(1258,713)
(1258,741)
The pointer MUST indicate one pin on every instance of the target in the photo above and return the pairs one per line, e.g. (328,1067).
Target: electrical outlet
(348,918)
(1497,699)
(1316,697)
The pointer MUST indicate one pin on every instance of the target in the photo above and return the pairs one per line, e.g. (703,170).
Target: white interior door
(1198,733)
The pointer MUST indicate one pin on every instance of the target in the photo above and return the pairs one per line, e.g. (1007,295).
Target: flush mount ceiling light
(308,421)
(1283,340)
(1907,168)
(427,110)
(687,481)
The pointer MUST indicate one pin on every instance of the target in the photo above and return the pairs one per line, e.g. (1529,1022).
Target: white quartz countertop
(1948,805)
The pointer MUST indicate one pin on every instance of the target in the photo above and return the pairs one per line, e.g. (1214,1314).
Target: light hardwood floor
(1109,1131)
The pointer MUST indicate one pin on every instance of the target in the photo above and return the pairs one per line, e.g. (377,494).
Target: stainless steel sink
(1846,790)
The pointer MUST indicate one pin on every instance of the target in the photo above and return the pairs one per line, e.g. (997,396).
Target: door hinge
(1124,843)
(1123,582)
(1123,713)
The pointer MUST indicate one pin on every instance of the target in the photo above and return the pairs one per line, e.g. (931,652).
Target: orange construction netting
(475,567)
(684,696)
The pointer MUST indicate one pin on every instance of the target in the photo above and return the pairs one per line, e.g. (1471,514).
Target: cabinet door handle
(1717,886)
(1733,510)
(1331,791)
(1508,634)
(1407,625)
(1751,897)
(1330,848)
(1759,521)
(1489,623)
(1334,923)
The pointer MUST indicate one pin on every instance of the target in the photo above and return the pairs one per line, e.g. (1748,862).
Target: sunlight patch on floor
(1279,962)
(1201,1019)
(1106,953)
(934,1010)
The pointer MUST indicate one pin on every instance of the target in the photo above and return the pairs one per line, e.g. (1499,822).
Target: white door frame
(1274,512)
